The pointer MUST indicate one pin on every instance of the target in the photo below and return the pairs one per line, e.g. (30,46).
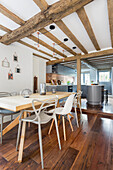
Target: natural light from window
(104,76)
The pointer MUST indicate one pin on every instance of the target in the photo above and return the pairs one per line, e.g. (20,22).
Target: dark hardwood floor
(89,147)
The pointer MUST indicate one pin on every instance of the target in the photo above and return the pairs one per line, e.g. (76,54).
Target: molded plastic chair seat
(44,118)
(65,111)
(58,110)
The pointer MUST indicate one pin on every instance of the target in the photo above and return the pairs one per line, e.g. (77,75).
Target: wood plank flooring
(89,147)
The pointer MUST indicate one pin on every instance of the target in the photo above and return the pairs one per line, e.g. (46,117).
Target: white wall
(25,60)
(39,70)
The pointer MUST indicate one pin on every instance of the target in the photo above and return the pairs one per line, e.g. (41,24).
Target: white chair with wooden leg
(40,117)
(63,111)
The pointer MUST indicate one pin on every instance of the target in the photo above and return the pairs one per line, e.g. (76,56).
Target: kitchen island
(95,94)
(65,88)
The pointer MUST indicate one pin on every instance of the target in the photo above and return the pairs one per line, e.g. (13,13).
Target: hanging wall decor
(17,69)
(5,63)
(15,57)
(10,75)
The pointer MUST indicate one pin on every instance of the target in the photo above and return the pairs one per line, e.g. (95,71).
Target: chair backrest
(26,92)
(44,105)
(79,94)
(68,104)
(4,94)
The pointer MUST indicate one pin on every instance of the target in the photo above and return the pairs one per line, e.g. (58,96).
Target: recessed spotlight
(65,39)
(74,47)
(52,27)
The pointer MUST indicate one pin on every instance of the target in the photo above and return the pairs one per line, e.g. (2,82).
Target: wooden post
(78,75)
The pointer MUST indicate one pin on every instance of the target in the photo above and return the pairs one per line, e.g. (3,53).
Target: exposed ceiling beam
(88,64)
(42,4)
(40,56)
(63,60)
(110,12)
(5,29)
(67,31)
(30,46)
(46,45)
(57,41)
(22,42)
(85,21)
(11,15)
(54,13)
(15,18)
(85,56)
(98,54)
(101,58)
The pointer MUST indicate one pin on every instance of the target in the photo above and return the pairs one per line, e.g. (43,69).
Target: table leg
(10,126)
(22,140)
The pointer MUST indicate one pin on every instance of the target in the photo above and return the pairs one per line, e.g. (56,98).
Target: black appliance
(70,88)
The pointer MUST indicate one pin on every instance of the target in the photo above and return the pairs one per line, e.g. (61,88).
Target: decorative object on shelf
(5,63)
(59,82)
(68,82)
(10,75)
(15,57)
(17,69)
(53,90)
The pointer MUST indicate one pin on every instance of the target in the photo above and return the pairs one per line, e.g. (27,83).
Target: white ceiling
(97,14)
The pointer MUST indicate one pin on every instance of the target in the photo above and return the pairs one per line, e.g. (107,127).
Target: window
(82,82)
(104,76)
(87,78)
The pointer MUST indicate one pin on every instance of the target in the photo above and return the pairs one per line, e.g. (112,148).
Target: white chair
(5,112)
(77,103)
(65,111)
(77,100)
(40,117)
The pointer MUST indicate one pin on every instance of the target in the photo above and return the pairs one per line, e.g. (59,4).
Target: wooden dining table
(19,103)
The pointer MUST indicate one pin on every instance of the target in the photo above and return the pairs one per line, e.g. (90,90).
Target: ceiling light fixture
(65,39)
(74,48)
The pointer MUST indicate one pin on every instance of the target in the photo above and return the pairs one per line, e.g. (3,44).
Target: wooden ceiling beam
(42,4)
(57,41)
(30,46)
(67,31)
(103,57)
(85,21)
(11,15)
(100,60)
(88,64)
(46,45)
(40,56)
(98,54)
(85,56)
(52,14)
(15,18)
(5,29)
(22,42)
(110,13)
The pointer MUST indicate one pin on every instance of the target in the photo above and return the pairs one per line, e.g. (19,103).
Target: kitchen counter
(64,88)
